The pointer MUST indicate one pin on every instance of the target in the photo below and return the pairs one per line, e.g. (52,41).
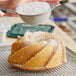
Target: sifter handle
(5,10)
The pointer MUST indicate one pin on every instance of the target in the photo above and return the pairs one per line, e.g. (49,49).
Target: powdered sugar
(55,42)
(33,8)
(33,37)
(45,42)
(18,64)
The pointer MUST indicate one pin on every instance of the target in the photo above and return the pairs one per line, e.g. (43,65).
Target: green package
(20,29)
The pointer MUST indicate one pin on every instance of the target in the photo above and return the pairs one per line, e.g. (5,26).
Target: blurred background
(64,16)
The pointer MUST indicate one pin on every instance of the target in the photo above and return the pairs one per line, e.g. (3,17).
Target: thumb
(1,13)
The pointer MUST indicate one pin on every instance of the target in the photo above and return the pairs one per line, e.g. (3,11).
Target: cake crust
(37,51)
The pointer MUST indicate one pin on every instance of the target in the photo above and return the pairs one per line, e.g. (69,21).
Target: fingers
(14,3)
(51,1)
(11,15)
(1,13)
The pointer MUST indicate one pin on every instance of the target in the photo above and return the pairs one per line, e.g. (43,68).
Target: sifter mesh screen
(68,69)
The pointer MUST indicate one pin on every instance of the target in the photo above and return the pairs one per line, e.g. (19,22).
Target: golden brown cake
(37,51)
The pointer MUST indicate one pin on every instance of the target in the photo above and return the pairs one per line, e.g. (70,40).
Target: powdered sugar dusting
(55,42)
(45,42)
(18,64)
(33,37)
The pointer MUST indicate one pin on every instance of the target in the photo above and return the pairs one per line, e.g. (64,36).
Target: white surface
(7,41)
(2,36)
(72,0)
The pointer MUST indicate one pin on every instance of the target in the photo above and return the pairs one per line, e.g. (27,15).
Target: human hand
(15,3)
(12,4)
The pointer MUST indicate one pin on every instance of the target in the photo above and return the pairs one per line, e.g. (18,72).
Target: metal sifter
(33,19)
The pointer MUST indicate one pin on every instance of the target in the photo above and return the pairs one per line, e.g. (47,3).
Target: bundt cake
(37,51)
